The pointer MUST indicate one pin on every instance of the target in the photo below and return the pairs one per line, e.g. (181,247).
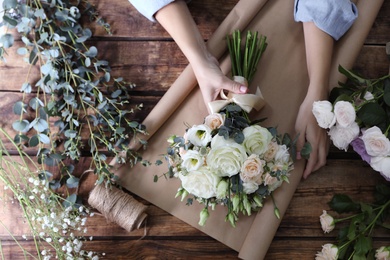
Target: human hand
(308,130)
(212,80)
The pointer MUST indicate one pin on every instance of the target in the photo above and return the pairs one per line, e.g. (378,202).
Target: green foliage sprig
(354,239)
(75,95)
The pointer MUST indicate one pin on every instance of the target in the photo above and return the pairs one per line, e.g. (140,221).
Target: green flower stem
(372,224)
(25,252)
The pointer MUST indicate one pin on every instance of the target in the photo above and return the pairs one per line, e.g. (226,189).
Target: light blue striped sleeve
(149,8)
(334,17)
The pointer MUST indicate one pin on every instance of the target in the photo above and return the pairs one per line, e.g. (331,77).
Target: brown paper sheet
(282,78)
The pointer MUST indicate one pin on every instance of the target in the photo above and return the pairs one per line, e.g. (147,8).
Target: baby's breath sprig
(57,225)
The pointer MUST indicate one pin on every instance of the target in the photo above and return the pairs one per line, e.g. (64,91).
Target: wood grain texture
(144,54)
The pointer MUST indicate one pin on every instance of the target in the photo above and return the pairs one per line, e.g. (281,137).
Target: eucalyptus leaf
(20,125)
(41,125)
(19,108)
(35,103)
(92,52)
(72,182)
(34,141)
(22,51)
(70,201)
(10,20)
(9,4)
(26,88)
(44,139)
(7,40)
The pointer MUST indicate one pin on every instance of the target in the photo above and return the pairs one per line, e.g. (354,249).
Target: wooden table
(143,53)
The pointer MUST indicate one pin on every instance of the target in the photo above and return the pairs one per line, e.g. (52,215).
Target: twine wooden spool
(117,206)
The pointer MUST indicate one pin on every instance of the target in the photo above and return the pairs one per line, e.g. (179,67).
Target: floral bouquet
(229,159)
(358,114)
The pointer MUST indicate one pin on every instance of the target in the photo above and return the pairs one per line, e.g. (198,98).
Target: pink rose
(376,143)
(345,113)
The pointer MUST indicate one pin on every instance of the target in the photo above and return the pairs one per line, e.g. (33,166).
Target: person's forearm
(178,22)
(319,49)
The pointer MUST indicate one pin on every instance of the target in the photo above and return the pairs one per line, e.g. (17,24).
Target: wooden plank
(158,65)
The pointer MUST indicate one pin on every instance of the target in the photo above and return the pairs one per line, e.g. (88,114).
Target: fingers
(235,87)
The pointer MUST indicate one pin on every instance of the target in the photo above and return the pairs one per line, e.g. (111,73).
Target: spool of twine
(118,207)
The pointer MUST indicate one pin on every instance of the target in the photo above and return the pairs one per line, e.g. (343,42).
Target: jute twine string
(117,206)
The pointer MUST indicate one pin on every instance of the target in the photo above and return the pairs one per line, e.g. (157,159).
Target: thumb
(234,87)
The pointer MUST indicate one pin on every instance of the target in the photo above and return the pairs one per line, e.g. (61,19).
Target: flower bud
(327,222)
(171,139)
(236,203)
(247,205)
(231,218)
(258,200)
(204,215)
(222,189)
(277,212)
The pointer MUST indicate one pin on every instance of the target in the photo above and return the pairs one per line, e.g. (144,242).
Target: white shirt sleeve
(334,17)
(149,8)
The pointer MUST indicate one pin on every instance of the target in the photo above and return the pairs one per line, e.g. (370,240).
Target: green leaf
(70,201)
(26,88)
(306,150)
(350,75)
(41,125)
(34,141)
(9,4)
(19,108)
(386,94)
(72,182)
(21,125)
(7,40)
(343,203)
(363,245)
(44,138)
(372,114)
(92,52)
(10,20)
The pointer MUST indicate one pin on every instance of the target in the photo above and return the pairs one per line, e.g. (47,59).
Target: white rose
(257,139)
(220,141)
(382,165)
(199,135)
(214,120)
(282,155)
(192,160)
(382,253)
(345,113)
(322,111)
(343,136)
(225,157)
(329,252)
(272,182)
(250,187)
(252,169)
(201,183)
(375,142)
(327,222)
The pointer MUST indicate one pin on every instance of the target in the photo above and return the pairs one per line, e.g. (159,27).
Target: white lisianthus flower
(329,252)
(345,113)
(225,157)
(382,253)
(199,135)
(327,222)
(343,136)
(375,142)
(252,169)
(257,139)
(249,187)
(214,120)
(322,111)
(192,160)
(201,183)
(382,165)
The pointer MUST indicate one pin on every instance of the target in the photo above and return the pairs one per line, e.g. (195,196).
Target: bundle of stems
(245,60)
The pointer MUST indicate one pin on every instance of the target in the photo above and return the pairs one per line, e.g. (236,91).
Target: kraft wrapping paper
(283,80)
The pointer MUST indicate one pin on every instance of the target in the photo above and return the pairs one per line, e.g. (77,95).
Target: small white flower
(36,182)
(49,240)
